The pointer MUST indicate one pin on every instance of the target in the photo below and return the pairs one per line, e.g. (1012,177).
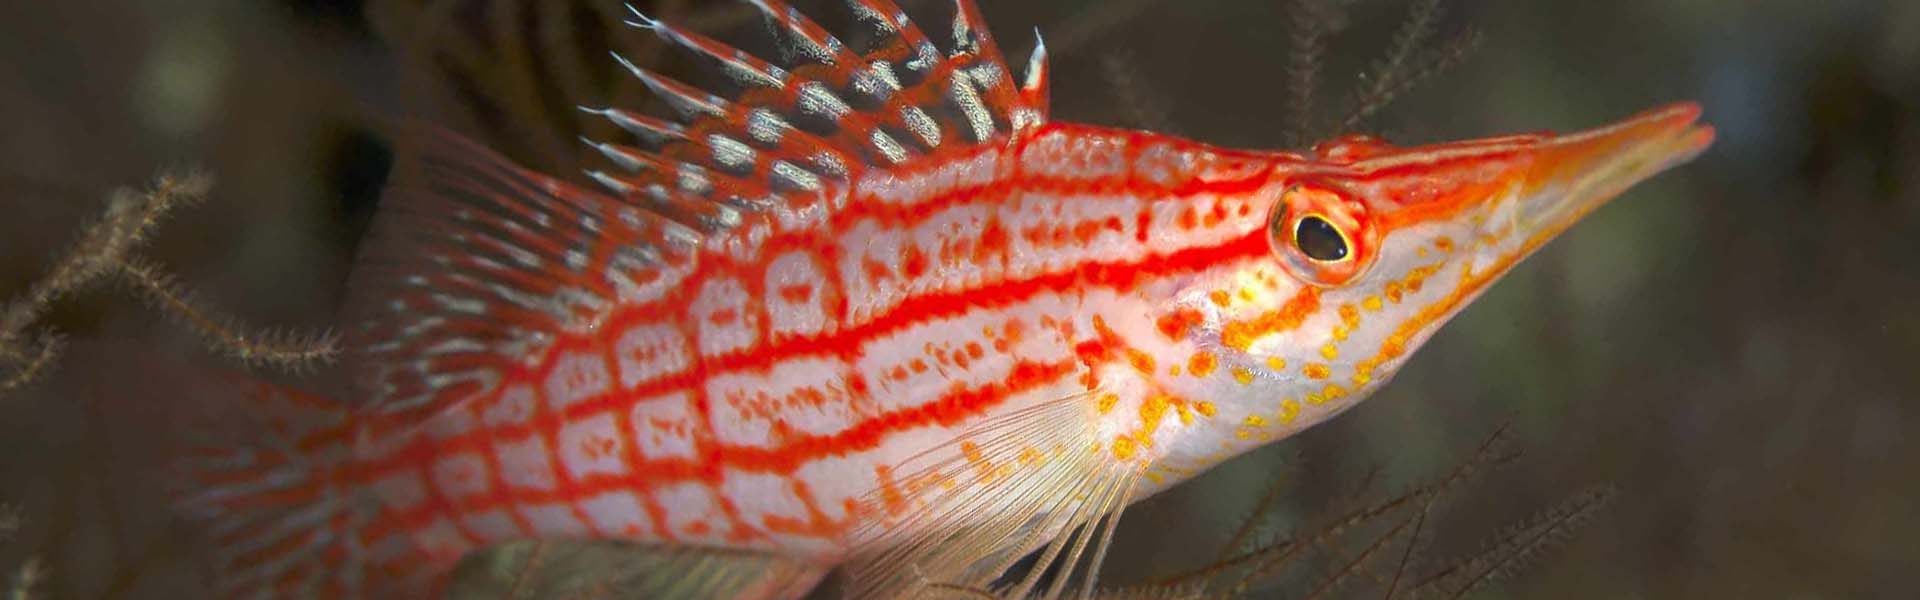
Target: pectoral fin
(963,515)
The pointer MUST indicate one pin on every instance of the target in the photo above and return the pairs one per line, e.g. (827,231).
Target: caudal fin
(281,516)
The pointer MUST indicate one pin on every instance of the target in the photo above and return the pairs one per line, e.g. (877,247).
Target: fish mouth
(1575,173)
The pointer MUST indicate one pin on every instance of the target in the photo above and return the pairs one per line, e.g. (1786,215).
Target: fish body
(918,344)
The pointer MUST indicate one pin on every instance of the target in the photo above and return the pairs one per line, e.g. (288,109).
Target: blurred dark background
(1731,346)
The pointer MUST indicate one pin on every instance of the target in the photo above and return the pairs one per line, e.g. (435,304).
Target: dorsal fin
(472,263)
(797,130)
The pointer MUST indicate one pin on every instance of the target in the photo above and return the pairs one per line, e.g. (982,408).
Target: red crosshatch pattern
(630,407)
(692,416)
(741,349)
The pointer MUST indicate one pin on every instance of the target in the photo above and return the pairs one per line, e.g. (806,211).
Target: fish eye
(1320,240)
(1321,235)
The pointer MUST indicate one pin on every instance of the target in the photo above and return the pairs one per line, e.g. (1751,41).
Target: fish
(876,313)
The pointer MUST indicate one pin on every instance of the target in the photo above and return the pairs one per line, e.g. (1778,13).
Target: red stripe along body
(944,334)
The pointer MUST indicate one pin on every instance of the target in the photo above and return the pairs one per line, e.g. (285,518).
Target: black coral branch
(1409,61)
(1517,546)
(107,250)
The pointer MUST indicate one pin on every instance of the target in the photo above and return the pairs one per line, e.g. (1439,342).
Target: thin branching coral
(1306,50)
(1405,518)
(525,81)
(1516,546)
(107,250)
(1409,61)
(1389,533)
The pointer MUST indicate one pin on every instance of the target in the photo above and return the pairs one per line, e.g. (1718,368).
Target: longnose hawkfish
(875,313)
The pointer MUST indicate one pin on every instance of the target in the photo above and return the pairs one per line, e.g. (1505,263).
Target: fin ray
(1047,485)
(817,122)
(281,522)
(474,263)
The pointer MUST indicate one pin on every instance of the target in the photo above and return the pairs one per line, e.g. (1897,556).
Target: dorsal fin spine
(698,106)
(738,64)
(971,35)
(1034,87)
(964,96)
(869,77)
(821,46)
(681,149)
(988,68)
(909,47)
(624,157)
(685,176)
(750,150)
(474,261)
(676,206)
(648,128)
(681,205)
(690,102)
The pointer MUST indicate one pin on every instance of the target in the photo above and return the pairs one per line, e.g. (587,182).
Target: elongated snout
(1573,174)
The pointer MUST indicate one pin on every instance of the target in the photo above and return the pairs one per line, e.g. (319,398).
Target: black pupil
(1317,239)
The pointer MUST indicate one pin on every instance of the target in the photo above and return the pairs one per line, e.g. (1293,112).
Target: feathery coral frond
(1386,71)
(107,249)
(276,348)
(1305,51)
(1517,546)
(1399,78)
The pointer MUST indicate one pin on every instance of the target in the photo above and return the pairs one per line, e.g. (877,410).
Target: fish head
(1371,248)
